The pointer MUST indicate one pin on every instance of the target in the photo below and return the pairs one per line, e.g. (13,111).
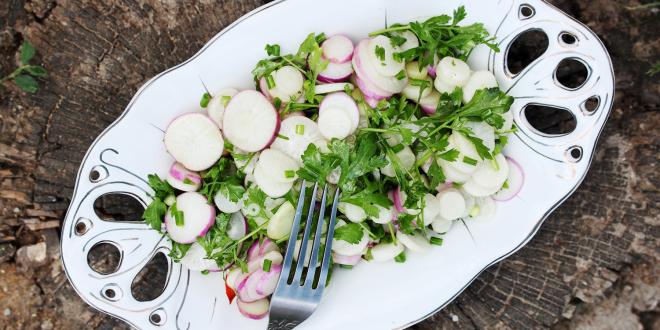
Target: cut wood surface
(593,264)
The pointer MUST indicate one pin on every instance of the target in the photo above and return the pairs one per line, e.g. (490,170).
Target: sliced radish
(232,276)
(269,186)
(411,40)
(406,160)
(478,80)
(335,123)
(346,260)
(370,90)
(477,190)
(259,284)
(344,102)
(346,248)
(432,208)
(386,65)
(217,104)
(332,87)
(386,251)
(238,226)
(488,175)
(484,132)
(258,249)
(337,49)
(365,68)
(385,215)
(335,73)
(288,83)
(441,225)
(247,163)
(429,103)
(183,179)
(301,132)
(415,243)
(278,166)
(352,212)
(415,93)
(250,122)
(280,223)
(308,251)
(263,87)
(459,164)
(194,140)
(452,71)
(198,217)
(275,258)
(486,209)
(464,145)
(515,180)
(451,173)
(195,259)
(255,310)
(397,200)
(225,205)
(414,72)
(452,203)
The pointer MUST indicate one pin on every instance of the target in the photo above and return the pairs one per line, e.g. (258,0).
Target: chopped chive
(505,185)
(187,181)
(475,211)
(273,50)
(225,100)
(283,137)
(277,102)
(300,129)
(398,147)
(205,272)
(401,257)
(401,75)
(436,241)
(380,53)
(178,215)
(267,263)
(289,174)
(270,81)
(346,266)
(469,161)
(204,102)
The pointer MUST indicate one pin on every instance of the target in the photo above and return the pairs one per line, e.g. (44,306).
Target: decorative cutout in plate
(555,166)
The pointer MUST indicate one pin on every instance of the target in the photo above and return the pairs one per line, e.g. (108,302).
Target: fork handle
(282,324)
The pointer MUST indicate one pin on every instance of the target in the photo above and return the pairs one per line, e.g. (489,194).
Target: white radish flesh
(335,123)
(385,65)
(484,132)
(415,93)
(386,251)
(352,212)
(238,226)
(259,284)
(278,166)
(452,203)
(443,87)
(385,215)
(346,260)
(335,73)
(365,68)
(473,188)
(308,251)
(406,159)
(183,179)
(280,223)
(288,83)
(226,205)
(301,132)
(250,122)
(194,140)
(489,175)
(332,87)
(255,310)
(337,49)
(269,186)
(451,172)
(486,209)
(414,72)
(370,90)
(345,102)
(346,248)
(275,258)
(515,180)
(247,163)
(452,71)
(464,145)
(441,225)
(411,40)
(430,102)
(478,80)
(415,243)
(231,279)
(195,259)
(217,104)
(198,217)
(432,208)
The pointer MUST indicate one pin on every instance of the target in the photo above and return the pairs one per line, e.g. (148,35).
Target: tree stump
(594,263)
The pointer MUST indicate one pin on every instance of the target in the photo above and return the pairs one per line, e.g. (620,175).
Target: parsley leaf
(154,213)
(161,188)
(350,232)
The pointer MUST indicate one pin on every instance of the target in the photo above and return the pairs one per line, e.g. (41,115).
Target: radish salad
(398,121)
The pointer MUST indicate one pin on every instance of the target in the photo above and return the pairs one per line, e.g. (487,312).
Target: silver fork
(294,301)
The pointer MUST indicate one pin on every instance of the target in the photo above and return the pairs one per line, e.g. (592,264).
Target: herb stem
(390,29)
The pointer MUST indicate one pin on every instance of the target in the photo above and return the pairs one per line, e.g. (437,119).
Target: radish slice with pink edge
(337,49)
(232,276)
(258,249)
(515,181)
(194,140)
(255,310)
(331,87)
(225,204)
(263,87)
(250,122)
(195,259)
(288,83)
(182,178)
(259,284)
(429,103)
(237,227)
(198,217)
(385,64)
(365,69)
(452,203)
(335,73)
(300,132)
(346,260)
(275,258)
(346,103)
(386,251)
(370,90)
(218,103)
